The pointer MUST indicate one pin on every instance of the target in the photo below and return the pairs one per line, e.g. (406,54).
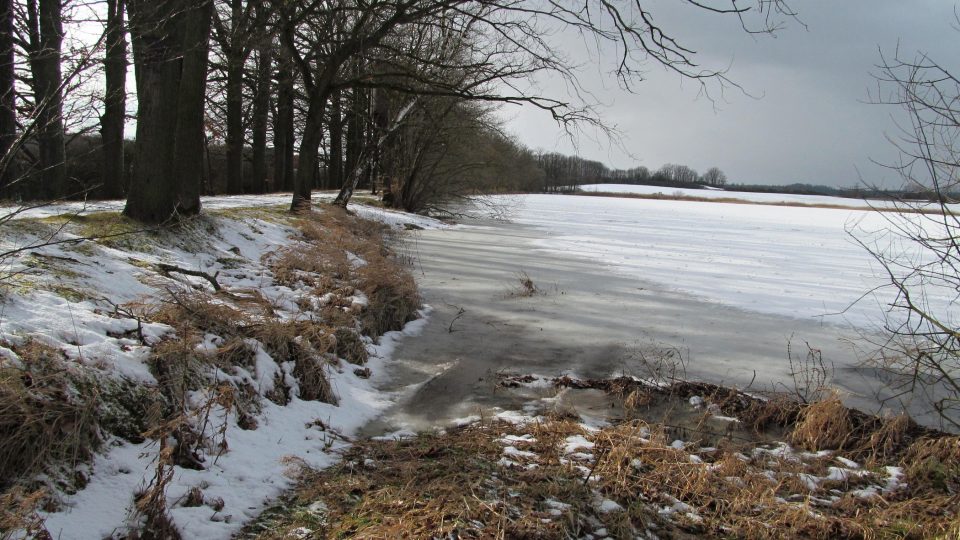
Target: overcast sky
(810,122)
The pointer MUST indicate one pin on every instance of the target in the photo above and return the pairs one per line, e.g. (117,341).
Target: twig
(460,313)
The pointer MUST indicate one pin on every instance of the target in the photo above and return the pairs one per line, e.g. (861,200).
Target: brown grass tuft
(178,368)
(824,425)
(888,440)
(192,311)
(393,297)
(313,382)
(350,347)
(45,417)
(524,287)
(324,264)
(19,517)
(934,463)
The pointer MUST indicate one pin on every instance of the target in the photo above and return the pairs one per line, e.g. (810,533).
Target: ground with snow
(550,473)
(795,262)
(66,296)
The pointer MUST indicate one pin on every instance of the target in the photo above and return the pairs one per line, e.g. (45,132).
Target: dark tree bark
(335,165)
(354,132)
(191,102)
(261,111)
(309,152)
(8,112)
(283,135)
(235,59)
(170,40)
(115,101)
(45,26)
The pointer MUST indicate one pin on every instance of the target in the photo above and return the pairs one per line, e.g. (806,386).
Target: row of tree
(297,94)
(563,173)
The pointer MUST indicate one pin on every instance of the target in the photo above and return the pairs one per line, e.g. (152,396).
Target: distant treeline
(566,173)
(562,173)
(917,194)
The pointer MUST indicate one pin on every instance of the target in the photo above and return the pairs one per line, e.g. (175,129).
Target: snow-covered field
(794,261)
(768,198)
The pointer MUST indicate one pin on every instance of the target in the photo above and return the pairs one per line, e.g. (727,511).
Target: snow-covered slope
(81,298)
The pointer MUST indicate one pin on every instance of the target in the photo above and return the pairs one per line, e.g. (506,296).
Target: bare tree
(919,250)
(714,177)
(511,45)
(8,96)
(235,24)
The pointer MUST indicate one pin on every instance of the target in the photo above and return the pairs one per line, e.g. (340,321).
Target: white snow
(576,442)
(790,261)
(715,193)
(512,451)
(393,218)
(606,506)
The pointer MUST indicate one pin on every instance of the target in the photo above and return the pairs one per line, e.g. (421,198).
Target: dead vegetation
(554,478)
(344,257)
(523,286)
(45,420)
(18,515)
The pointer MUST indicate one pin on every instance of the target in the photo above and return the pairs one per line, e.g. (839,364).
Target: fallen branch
(167,269)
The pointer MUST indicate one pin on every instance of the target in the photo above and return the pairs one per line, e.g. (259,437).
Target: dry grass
(350,346)
(193,312)
(343,254)
(523,286)
(428,487)
(823,425)
(19,517)
(456,485)
(45,420)
(393,297)
(934,463)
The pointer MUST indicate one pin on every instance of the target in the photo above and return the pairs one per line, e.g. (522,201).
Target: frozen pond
(726,287)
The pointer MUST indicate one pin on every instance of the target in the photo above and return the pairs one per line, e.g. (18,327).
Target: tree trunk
(46,39)
(115,101)
(309,152)
(235,61)
(354,133)
(261,110)
(234,126)
(335,166)
(283,124)
(8,111)
(170,40)
(191,101)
